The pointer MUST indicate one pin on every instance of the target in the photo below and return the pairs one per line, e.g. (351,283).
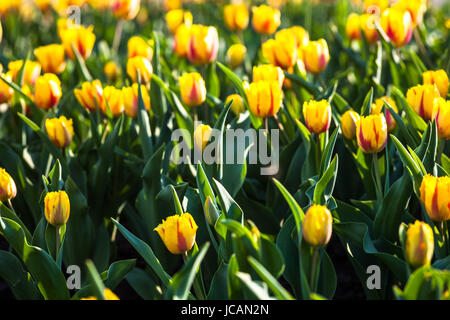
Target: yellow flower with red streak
(138,47)
(317,226)
(317,115)
(8,189)
(281,51)
(126,9)
(316,56)
(236,55)
(419,246)
(236,16)
(47,91)
(178,233)
(398,26)
(203,44)
(378,106)
(112,100)
(264,97)
(131,99)
(90,95)
(416,9)
(349,122)
(82,38)
(177,17)
(371,133)
(201,136)
(6,92)
(142,66)
(301,36)
(181,40)
(60,131)
(435,196)
(268,72)
(439,78)
(441,114)
(192,89)
(31,71)
(265,20)
(365,22)
(237,103)
(57,208)
(51,58)
(421,99)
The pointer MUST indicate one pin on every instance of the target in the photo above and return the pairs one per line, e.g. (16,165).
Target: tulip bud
(126,9)
(57,208)
(181,40)
(264,98)
(131,99)
(421,99)
(201,136)
(90,95)
(138,47)
(348,124)
(211,212)
(107,293)
(31,71)
(83,39)
(47,91)
(439,78)
(237,104)
(266,20)
(6,92)
(316,56)
(112,71)
(112,99)
(353,26)
(203,44)
(397,25)
(419,245)
(142,65)
(178,233)
(193,89)
(236,16)
(301,36)
(435,196)
(268,72)
(317,115)
(176,18)
(416,9)
(378,106)
(374,6)
(371,133)
(60,131)
(441,114)
(236,54)
(317,226)
(51,58)
(281,51)
(8,189)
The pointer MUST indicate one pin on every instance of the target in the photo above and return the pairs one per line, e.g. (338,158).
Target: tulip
(378,106)
(371,133)
(236,16)
(31,71)
(203,44)
(419,244)
(348,124)
(281,51)
(47,91)
(375,6)
(172,4)
(181,40)
(353,27)
(131,99)
(316,56)
(421,99)
(60,131)
(138,47)
(101,5)
(57,208)
(112,71)
(237,103)
(178,233)
(439,78)
(126,9)
(397,25)
(266,20)
(201,136)
(176,18)
(142,65)
(268,72)
(8,189)
(441,114)
(301,36)
(26,90)
(6,92)
(416,9)
(236,54)
(107,293)
(317,226)
(211,212)
(435,196)
(264,98)
(112,100)
(90,95)
(193,89)
(355,23)
(317,115)
(51,58)
(83,39)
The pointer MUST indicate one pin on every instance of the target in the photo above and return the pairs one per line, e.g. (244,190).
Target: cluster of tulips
(86,150)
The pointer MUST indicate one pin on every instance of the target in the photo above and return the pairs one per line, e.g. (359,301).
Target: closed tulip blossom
(236,55)
(416,9)
(203,44)
(236,16)
(439,78)
(268,72)
(82,38)
(371,133)
(57,208)
(112,71)
(317,115)
(8,189)
(31,71)
(237,103)
(141,65)
(6,92)
(264,98)
(301,36)
(126,9)
(47,91)
(281,51)
(181,40)
(112,100)
(60,131)
(177,17)
(193,89)
(265,20)
(441,114)
(131,99)
(51,58)
(435,196)
(419,246)
(138,47)
(421,99)
(90,95)
(316,56)
(398,26)
(378,106)
(349,122)
(353,27)
(178,233)
(317,226)
(356,23)
(201,136)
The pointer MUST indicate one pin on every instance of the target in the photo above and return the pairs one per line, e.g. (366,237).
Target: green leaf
(325,185)
(94,279)
(260,292)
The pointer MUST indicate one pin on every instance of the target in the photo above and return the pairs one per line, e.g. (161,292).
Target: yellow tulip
(441,114)
(317,115)
(201,136)
(172,4)
(131,99)
(107,293)
(375,6)
(57,208)
(237,103)
(177,17)
(317,226)
(316,56)
(47,91)
(8,189)
(101,5)
(439,78)
(435,196)
(62,6)
(193,89)
(421,99)
(83,39)
(203,44)
(397,25)
(348,124)
(264,98)
(178,233)
(126,9)
(416,9)
(236,16)
(31,71)
(60,131)
(138,47)
(90,95)
(281,51)
(266,20)
(236,54)
(112,71)
(371,133)
(141,64)
(51,58)
(268,72)
(419,244)
(181,40)
(352,28)
(365,22)
(6,92)
(112,99)
(301,36)
(378,106)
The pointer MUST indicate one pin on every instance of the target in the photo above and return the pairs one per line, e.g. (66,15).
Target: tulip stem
(118,35)
(58,236)
(421,47)
(11,206)
(377,177)
(319,152)
(197,284)
(313,270)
